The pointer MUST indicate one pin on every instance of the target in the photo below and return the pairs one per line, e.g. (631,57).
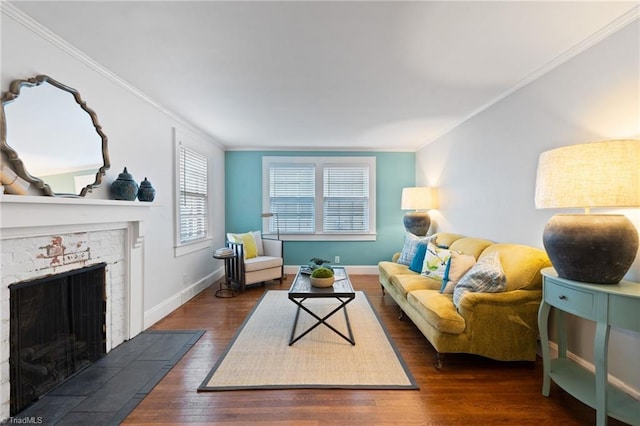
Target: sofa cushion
(445,239)
(521,265)
(435,262)
(406,283)
(262,262)
(410,248)
(438,310)
(486,276)
(257,237)
(389,269)
(470,246)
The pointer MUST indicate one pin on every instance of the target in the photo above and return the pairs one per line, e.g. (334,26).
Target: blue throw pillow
(445,280)
(418,258)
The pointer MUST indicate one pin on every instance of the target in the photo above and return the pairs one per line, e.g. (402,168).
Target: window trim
(320,162)
(183,248)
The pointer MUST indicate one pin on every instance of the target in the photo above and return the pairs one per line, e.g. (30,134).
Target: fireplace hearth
(57,328)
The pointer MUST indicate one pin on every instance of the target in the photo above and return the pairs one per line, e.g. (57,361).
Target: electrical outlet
(184,278)
(337,259)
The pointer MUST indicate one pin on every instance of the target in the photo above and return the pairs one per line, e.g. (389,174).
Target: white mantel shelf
(24,211)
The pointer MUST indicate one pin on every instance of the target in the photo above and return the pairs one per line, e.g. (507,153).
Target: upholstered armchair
(257,260)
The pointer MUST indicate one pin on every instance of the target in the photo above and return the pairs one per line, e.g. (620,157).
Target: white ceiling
(325,75)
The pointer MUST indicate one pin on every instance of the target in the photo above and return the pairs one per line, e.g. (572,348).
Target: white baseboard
(172,303)
(194,289)
(351,269)
(613,380)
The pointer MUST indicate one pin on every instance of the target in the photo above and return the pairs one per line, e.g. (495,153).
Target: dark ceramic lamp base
(590,248)
(417,223)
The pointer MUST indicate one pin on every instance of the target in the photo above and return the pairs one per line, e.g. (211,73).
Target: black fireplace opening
(57,328)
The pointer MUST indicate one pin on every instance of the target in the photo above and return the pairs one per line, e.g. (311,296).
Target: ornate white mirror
(51,138)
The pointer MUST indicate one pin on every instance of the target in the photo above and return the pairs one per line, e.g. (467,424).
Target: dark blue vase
(124,188)
(146,191)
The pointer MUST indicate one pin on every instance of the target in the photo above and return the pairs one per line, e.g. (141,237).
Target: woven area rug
(259,357)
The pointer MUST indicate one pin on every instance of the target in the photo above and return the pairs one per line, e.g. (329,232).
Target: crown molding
(614,26)
(34,26)
(17,15)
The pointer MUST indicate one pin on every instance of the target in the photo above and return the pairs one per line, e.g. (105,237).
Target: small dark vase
(146,191)
(124,188)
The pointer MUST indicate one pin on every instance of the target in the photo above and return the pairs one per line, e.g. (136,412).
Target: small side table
(228,291)
(607,305)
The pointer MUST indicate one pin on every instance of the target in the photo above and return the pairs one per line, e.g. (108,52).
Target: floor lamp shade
(418,199)
(585,247)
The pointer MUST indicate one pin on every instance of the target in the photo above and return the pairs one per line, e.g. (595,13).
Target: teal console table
(615,305)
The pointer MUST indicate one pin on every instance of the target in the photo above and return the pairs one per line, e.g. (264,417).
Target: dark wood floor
(469,390)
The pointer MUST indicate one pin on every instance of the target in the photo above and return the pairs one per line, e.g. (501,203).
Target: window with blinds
(320,195)
(193,178)
(345,199)
(292,197)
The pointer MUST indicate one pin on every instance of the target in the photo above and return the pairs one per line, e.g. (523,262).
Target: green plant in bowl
(322,277)
(322,273)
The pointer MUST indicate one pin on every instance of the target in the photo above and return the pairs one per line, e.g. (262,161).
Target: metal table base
(341,307)
(341,290)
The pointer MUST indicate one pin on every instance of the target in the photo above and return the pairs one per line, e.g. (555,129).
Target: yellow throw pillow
(249,243)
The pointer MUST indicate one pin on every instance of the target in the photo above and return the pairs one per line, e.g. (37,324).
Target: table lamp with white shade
(594,248)
(418,199)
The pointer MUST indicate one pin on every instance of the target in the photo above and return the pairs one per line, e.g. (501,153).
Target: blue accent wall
(243,206)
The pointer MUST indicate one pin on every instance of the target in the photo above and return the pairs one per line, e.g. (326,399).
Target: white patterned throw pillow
(435,262)
(485,276)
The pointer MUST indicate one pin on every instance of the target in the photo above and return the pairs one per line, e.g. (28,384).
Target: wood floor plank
(469,390)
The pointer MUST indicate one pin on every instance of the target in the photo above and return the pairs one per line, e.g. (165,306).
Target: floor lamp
(265,215)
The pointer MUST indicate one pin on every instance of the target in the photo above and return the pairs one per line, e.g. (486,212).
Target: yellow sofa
(501,326)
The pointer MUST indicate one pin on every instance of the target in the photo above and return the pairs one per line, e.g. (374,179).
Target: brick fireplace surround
(42,236)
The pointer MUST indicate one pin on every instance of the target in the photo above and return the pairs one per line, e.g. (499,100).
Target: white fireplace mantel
(23,216)
(26,220)
(23,211)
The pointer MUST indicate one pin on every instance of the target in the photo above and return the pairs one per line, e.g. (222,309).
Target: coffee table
(302,290)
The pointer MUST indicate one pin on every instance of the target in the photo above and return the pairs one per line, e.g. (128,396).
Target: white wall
(486,167)
(140,138)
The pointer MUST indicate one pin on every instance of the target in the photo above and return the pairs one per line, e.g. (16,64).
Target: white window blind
(193,212)
(292,197)
(320,198)
(345,198)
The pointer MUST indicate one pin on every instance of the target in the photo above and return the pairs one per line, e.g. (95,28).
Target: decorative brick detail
(29,258)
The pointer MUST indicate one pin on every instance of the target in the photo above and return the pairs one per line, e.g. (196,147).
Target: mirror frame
(12,155)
